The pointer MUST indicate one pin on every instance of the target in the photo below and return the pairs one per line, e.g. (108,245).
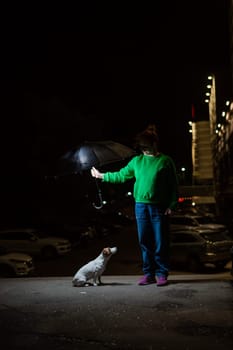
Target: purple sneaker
(161,281)
(144,280)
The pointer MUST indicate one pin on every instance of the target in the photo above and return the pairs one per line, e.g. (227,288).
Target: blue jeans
(153,236)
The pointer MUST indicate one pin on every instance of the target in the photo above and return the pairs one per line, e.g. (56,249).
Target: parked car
(232,260)
(16,265)
(197,221)
(192,249)
(33,242)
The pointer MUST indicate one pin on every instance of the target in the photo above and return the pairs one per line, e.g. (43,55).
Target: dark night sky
(115,67)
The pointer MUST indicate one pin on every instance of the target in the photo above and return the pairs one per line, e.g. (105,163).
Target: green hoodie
(155,179)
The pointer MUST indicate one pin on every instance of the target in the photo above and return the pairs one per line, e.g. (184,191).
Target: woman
(155,194)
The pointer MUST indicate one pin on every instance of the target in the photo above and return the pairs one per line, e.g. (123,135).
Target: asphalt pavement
(194,311)
(191,312)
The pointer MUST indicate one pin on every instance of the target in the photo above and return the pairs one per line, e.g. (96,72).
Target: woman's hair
(147,140)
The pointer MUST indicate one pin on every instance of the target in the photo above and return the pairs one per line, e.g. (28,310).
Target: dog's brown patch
(106,251)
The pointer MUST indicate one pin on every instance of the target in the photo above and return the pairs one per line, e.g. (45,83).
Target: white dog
(94,269)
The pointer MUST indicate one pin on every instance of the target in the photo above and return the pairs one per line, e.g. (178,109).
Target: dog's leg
(79,282)
(95,278)
(94,281)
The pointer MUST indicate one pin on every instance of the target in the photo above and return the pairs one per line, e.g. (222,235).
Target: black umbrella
(97,154)
(90,154)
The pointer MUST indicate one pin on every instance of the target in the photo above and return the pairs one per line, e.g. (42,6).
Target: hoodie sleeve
(123,175)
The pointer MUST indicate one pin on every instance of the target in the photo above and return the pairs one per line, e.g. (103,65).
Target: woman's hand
(168,211)
(95,173)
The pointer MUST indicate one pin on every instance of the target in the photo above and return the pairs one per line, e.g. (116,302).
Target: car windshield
(205,220)
(214,236)
(40,234)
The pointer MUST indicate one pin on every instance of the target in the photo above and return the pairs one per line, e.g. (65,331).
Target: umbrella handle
(100,197)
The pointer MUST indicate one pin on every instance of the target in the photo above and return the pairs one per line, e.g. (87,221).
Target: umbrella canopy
(95,154)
